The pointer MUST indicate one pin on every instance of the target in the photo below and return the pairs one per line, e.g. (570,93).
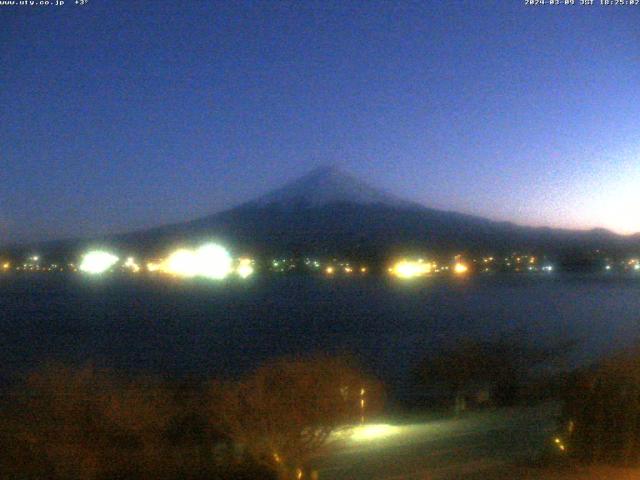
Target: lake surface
(219,329)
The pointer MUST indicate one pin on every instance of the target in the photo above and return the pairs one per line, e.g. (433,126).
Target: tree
(68,423)
(284,413)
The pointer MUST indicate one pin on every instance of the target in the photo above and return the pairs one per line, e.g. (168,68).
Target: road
(450,448)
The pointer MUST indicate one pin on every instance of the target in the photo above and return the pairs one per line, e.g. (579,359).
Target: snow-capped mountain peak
(328,185)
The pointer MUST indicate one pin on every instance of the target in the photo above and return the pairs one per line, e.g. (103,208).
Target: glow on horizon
(601,192)
(606,196)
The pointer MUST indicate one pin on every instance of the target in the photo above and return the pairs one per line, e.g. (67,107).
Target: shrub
(601,418)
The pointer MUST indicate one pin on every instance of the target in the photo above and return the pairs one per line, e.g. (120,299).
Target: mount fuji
(330,212)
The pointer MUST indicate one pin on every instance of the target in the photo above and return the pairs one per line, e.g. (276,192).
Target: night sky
(123,115)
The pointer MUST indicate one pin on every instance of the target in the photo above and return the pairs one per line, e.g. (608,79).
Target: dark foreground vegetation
(493,373)
(88,423)
(601,421)
(68,423)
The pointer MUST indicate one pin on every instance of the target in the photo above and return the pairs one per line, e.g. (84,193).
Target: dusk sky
(123,115)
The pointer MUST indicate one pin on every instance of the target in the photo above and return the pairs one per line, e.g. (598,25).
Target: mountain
(330,212)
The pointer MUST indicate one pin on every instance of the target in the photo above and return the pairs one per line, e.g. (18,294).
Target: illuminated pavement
(471,446)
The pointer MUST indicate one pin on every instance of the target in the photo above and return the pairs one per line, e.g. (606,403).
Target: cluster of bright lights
(410,269)
(344,268)
(132,265)
(559,444)
(208,261)
(97,261)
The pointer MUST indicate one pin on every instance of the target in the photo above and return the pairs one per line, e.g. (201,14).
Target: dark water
(219,329)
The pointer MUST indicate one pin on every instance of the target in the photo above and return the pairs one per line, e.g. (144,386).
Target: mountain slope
(331,212)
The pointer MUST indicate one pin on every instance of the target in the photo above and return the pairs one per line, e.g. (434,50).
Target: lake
(219,329)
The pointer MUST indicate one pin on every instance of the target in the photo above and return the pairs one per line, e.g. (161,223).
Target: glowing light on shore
(244,268)
(329,270)
(97,261)
(213,261)
(209,261)
(154,266)
(132,265)
(410,269)
(6,266)
(182,263)
(460,268)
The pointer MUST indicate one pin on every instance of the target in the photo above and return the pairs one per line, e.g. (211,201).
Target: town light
(244,268)
(460,268)
(154,266)
(214,261)
(209,261)
(97,261)
(182,263)
(132,265)
(410,269)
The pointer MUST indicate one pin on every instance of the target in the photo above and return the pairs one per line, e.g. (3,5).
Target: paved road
(444,449)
